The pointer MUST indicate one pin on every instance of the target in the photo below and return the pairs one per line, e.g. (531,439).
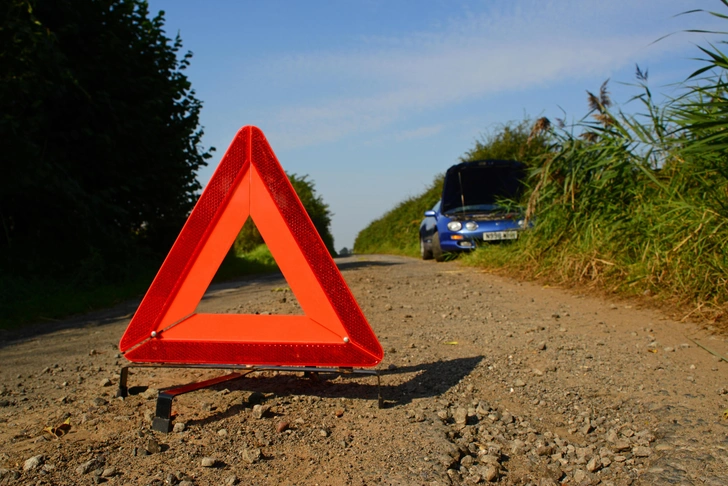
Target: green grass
(638,206)
(25,300)
(397,232)
(258,261)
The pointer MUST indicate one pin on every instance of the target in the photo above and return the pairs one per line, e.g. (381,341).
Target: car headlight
(454,225)
(471,226)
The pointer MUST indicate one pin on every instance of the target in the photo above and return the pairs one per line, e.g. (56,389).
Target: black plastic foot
(163,415)
(163,425)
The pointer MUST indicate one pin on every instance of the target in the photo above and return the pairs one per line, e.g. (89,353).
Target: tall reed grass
(631,202)
(636,203)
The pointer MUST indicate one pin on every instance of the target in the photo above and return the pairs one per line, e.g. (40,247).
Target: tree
(99,132)
(249,236)
(524,141)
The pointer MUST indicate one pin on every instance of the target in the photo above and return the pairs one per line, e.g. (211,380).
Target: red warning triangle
(250,182)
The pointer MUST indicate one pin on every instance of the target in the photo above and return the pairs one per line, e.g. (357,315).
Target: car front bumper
(469,240)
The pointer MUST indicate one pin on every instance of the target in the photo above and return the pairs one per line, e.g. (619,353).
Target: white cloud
(476,55)
(421,132)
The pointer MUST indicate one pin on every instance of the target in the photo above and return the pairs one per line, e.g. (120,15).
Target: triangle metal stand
(163,414)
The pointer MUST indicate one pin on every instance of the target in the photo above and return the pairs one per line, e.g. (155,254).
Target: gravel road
(484,379)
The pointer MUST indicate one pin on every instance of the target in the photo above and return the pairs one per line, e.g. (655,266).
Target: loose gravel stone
(260,411)
(208,462)
(33,463)
(153,446)
(490,473)
(150,393)
(179,427)
(544,450)
(89,466)
(621,446)
(491,459)
(252,456)
(517,446)
(641,451)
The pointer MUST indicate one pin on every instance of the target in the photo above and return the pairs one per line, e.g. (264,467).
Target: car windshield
(477,187)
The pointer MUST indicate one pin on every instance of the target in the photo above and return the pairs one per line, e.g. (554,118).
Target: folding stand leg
(163,416)
(123,391)
(380,400)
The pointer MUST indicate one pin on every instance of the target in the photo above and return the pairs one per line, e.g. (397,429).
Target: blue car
(469,212)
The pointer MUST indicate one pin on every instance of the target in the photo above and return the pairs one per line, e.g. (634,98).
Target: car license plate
(500,235)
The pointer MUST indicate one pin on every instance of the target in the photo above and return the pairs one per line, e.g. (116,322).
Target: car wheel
(425,253)
(436,249)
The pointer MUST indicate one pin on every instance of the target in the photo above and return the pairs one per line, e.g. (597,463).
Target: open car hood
(474,188)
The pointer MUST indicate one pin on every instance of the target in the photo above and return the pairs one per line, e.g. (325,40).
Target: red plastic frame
(166,328)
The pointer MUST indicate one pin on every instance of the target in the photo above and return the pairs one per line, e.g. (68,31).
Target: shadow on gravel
(428,380)
(353,265)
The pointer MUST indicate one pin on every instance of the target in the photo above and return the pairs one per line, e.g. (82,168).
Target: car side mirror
(430,214)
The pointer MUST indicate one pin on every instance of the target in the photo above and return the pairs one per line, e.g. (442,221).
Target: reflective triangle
(250,182)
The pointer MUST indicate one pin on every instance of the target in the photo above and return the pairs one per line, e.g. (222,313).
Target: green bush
(100,139)
(397,232)
(249,237)
(256,261)
(524,141)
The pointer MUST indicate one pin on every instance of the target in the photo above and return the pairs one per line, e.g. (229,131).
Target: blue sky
(373,98)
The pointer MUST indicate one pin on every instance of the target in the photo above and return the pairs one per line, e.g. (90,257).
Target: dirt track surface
(485,379)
